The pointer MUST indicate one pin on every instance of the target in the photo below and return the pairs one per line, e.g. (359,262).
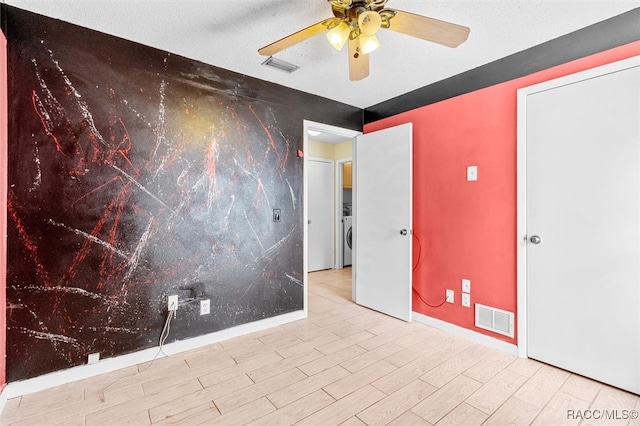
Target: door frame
(339,180)
(324,128)
(521,251)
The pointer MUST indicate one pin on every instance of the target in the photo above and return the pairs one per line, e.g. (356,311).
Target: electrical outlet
(466,286)
(172,302)
(466,300)
(93,358)
(450,296)
(205,307)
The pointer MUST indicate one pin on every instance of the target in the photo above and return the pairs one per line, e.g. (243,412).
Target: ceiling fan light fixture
(368,43)
(369,22)
(339,35)
(357,22)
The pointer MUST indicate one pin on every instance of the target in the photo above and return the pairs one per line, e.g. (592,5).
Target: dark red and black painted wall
(135,174)
(3,202)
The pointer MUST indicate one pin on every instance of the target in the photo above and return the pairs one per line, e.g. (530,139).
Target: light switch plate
(205,307)
(472,173)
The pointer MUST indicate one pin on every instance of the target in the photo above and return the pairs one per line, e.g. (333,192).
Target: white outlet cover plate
(172,302)
(466,286)
(93,358)
(450,296)
(466,300)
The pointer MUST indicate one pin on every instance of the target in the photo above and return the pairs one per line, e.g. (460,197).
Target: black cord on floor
(163,338)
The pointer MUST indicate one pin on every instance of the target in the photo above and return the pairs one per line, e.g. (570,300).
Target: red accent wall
(468,229)
(3,203)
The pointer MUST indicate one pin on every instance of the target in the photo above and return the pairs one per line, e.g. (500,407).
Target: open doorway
(323,143)
(382,176)
(344,212)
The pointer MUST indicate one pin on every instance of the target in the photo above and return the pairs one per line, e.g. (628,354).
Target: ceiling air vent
(494,319)
(280,64)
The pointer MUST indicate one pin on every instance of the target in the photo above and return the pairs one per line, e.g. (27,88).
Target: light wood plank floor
(343,365)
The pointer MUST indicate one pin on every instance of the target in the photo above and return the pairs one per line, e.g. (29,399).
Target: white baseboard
(474,336)
(3,400)
(46,381)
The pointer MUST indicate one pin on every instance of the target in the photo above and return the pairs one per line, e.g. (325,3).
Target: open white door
(382,173)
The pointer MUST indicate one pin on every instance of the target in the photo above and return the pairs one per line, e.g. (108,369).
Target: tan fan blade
(358,63)
(290,40)
(441,32)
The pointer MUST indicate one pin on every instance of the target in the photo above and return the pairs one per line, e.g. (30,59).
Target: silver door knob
(535,239)
(403,232)
(308,222)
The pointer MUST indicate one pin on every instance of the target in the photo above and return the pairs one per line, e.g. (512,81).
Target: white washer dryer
(347,234)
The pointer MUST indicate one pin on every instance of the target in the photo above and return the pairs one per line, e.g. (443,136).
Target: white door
(382,172)
(583,226)
(320,216)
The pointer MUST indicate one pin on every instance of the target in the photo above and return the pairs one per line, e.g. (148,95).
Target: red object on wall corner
(469,230)
(300,153)
(3,210)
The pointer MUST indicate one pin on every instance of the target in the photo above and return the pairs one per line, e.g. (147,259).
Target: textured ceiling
(228,33)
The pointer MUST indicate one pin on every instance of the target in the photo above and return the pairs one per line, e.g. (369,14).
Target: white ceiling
(327,137)
(228,33)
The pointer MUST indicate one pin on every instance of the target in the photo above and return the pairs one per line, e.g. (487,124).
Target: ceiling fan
(355,22)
